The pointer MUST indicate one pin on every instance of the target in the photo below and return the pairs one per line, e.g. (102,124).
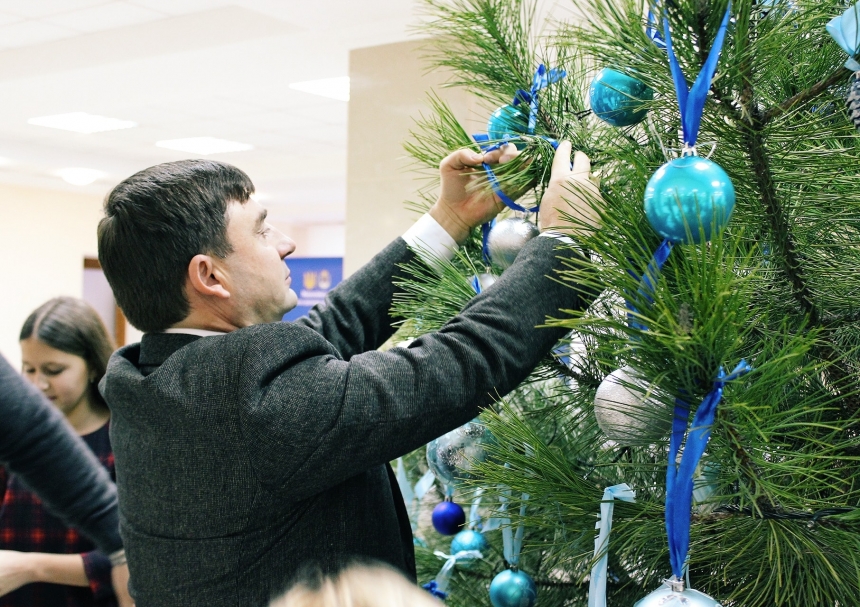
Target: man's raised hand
(465,201)
(566,205)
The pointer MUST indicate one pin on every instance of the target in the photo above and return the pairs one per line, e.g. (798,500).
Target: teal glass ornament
(690,192)
(509,122)
(513,589)
(618,99)
(468,539)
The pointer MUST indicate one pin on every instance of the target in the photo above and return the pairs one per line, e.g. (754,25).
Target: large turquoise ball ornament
(513,589)
(688,193)
(468,539)
(618,99)
(508,122)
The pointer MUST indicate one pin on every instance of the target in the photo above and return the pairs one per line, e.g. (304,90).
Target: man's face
(256,275)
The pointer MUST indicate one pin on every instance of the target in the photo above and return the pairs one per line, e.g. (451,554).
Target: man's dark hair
(155,222)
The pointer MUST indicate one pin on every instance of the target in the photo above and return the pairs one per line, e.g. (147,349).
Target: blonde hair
(359,586)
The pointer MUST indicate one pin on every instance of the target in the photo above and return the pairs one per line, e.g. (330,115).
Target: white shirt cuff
(558,236)
(430,241)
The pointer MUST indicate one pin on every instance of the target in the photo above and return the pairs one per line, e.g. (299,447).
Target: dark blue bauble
(468,540)
(617,98)
(508,122)
(513,589)
(448,518)
(690,191)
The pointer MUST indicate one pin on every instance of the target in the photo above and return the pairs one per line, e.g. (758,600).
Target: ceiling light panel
(80,175)
(204,145)
(333,88)
(82,122)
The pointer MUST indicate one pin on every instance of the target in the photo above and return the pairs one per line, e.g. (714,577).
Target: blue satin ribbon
(647,282)
(679,478)
(542,79)
(433,588)
(652,30)
(691,101)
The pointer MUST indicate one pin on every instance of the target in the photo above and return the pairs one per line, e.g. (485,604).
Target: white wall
(44,237)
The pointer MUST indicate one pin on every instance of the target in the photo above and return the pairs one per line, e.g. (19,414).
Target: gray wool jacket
(39,445)
(244,459)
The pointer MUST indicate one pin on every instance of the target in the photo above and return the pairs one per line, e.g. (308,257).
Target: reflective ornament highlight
(507,238)
(513,589)
(448,518)
(482,281)
(508,122)
(629,411)
(688,193)
(452,455)
(468,539)
(665,596)
(618,99)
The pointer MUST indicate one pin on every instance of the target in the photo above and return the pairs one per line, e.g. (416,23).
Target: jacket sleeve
(320,420)
(38,445)
(97,568)
(355,315)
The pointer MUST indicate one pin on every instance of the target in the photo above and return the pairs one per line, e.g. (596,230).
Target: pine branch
(839,75)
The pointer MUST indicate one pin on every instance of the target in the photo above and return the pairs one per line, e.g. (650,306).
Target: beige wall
(388,91)
(44,237)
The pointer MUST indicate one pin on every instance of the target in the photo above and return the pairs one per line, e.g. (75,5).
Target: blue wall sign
(313,278)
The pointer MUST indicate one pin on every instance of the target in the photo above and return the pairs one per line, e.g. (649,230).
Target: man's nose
(286,246)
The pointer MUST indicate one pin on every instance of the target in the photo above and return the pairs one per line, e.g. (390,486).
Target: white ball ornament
(667,596)
(628,411)
(507,238)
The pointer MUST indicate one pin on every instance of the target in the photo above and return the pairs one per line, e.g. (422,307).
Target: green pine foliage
(777,519)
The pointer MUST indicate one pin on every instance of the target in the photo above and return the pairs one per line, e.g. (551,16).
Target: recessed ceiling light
(80,175)
(204,145)
(260,196)
(333,88)
(81,122)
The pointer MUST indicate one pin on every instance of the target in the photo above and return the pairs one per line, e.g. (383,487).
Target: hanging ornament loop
(679,478)
(542,79)
(691,102)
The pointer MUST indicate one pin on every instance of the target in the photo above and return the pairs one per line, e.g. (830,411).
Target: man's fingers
(509,152)
(561,160)
(461,159)
(581,164)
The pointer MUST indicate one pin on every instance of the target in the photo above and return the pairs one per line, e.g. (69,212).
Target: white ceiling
(188,68)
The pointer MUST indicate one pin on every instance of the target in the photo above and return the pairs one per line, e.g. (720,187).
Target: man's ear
(205,277)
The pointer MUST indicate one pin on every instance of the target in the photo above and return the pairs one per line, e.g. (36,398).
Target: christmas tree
(776,508)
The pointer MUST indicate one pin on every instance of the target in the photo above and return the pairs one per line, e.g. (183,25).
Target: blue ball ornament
(468,539)
(448,518)
(688,193)
(508,122)
(618,99)
(513,589)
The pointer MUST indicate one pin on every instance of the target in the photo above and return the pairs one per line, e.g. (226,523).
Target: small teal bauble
(688,193)
(468,539)
(448,518)
(618,99)
(508,122)
(667,597)
(513,589)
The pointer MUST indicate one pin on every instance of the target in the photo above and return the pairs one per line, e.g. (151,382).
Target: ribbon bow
(439,586)
(542,79)
(844,29)
(691,101)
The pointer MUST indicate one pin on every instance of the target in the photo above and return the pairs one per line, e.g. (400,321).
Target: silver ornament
(673,594)
(452,456)
(854,101)
(482,281)
(507,238)
(629,411)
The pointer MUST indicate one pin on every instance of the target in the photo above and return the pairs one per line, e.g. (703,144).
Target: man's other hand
(566,205)
(465,201)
